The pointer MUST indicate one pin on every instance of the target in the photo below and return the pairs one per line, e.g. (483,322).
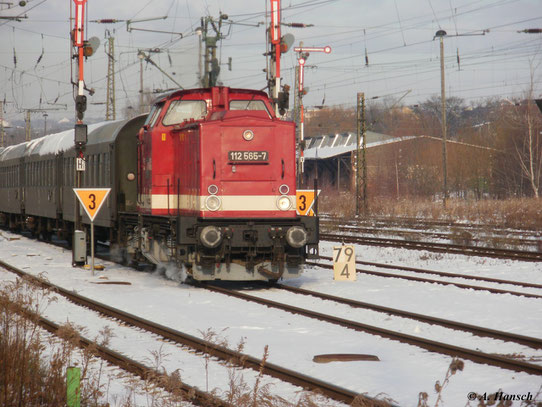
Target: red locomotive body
(219,161)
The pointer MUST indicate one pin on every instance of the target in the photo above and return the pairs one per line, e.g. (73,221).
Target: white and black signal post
(303,54)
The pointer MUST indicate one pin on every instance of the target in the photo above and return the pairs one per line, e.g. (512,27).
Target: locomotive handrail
(139,174)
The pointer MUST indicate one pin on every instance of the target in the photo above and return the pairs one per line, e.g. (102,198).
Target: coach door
(21,186)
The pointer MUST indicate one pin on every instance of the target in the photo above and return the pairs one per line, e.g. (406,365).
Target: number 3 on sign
(344,263)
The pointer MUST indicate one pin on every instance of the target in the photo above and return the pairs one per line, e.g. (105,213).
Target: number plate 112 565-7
(248,155)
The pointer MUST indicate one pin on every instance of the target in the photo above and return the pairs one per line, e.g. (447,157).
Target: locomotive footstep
(344,357)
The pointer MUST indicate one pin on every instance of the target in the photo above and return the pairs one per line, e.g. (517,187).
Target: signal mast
(83,49)
(279,45)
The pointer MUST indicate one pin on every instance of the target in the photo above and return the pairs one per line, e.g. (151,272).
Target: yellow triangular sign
(91,199)
(305,202)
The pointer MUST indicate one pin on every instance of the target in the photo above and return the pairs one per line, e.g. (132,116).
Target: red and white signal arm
(275,21)
(79,21)
(326,49)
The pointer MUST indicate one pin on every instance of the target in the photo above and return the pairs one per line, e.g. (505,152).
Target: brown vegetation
(521,213)
(495,148)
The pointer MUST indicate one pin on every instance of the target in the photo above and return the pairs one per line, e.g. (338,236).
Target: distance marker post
(344,263)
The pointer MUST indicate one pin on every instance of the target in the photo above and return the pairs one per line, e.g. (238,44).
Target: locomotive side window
(248,105)
(182,110)
(154,114)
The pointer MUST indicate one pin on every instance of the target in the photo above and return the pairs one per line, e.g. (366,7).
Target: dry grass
(34,363)
(521,213)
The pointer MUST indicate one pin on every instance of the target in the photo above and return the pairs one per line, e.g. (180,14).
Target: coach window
(183,110)
(249,105)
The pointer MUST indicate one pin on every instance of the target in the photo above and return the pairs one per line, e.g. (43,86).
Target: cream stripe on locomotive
(227,202)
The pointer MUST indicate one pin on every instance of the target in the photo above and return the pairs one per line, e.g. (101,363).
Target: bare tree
(528,147)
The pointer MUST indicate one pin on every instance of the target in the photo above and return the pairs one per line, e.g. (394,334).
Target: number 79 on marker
(344,263)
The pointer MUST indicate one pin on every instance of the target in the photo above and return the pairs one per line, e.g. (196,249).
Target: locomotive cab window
(249,105)
(183,110)
(154,114)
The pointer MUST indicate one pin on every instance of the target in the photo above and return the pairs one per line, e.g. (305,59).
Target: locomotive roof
(102,132)
(181,92)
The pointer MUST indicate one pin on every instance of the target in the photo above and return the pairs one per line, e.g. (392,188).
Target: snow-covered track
(425,224)
(534,343)
(199,345)
(435,247)
(430,345)
(442,282)
(532,241)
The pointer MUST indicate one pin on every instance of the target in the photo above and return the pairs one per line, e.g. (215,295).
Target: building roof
(332,145)
(329,146)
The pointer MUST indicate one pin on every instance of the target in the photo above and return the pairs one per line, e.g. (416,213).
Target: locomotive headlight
(284,189)
(210,236)
(296,237)
(130,176)
(248,135)
(284,203)
(212,202)
(213,189)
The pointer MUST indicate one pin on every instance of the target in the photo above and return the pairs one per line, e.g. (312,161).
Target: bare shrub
(521,213)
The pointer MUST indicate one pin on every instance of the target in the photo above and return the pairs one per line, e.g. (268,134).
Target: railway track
(465,237)
(200,345)
(432,281)
(435,247)
(427,344)
(425,224)
(534,343)
(444,274)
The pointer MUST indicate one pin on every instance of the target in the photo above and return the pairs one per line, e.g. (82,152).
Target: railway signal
(84,49)
(303,54)
(92,200)
(305,200)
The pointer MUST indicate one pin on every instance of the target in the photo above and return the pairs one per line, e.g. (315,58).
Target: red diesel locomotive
(221,164)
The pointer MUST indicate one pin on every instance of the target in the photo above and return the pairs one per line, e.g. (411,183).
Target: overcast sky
(396,35)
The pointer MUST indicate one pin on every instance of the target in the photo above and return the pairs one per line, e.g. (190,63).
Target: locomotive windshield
(182,110)
(248,105)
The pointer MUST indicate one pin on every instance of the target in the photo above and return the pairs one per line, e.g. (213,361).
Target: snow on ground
(403,370)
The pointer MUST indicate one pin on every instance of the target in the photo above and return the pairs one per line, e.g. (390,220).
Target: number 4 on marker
(345,272)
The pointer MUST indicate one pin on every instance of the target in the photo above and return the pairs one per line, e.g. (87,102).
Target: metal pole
(110,110)
(141,83)
(297,123)
(364,153)
(45,124)
(358,154)
(28,129)
(2,133)
(443,108)
(92,244)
